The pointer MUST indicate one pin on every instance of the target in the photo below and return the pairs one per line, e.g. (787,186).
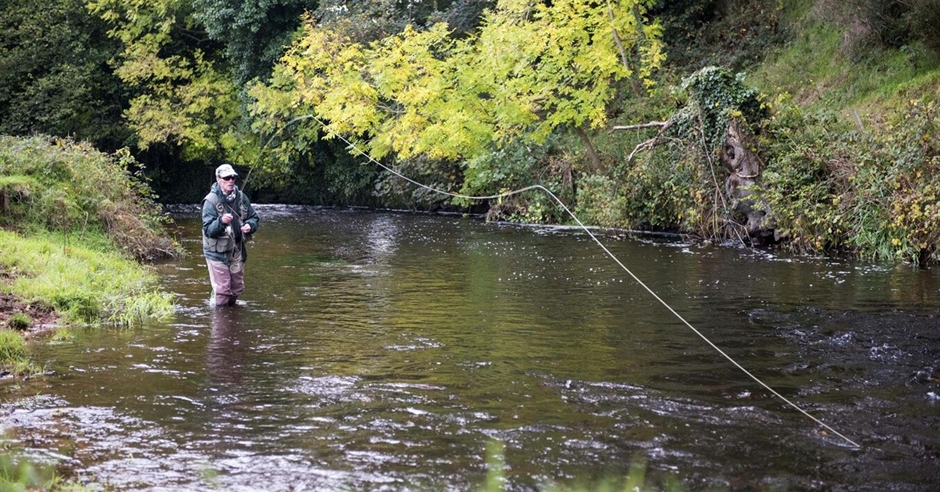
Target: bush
(874,195)
(60,185)
(518,165)
(600,202)
(674,189)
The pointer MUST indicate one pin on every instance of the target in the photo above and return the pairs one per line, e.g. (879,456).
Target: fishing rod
(558,201)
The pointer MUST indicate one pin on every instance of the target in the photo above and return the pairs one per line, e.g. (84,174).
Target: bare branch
(649,144)
(623,53)
(653,124)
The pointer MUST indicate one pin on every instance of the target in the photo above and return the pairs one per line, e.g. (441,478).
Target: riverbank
(48,282)
(77,228)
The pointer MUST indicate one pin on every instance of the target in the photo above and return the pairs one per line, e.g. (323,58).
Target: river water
(382,351)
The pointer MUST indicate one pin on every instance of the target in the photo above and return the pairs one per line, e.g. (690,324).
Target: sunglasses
(228,178)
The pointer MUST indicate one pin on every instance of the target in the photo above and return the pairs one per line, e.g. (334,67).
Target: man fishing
(228,221)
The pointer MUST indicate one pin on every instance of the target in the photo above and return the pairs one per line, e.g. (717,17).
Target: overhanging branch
(653,124)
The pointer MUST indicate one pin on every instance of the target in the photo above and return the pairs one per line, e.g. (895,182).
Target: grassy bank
(83,282)
(75,228)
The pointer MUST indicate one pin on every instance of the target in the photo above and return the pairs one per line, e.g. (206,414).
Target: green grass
(86,285)
(14,356)
(72,223)
(84,281)
(821,72)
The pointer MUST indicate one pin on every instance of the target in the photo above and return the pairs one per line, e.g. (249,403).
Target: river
(385,351)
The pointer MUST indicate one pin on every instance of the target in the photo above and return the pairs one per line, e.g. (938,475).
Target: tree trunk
(589,148)
(744,168)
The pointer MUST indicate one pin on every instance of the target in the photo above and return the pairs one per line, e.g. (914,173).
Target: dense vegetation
(838,100)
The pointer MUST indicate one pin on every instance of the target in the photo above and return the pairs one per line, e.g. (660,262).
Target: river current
(386,351)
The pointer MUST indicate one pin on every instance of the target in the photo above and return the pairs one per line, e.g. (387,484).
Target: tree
(183,94)
(529,69)
(253,32)
(54,77)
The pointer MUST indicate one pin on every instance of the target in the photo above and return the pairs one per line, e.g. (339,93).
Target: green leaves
(529,69)
(184,97)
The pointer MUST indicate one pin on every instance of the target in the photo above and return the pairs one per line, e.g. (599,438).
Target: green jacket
(217,243)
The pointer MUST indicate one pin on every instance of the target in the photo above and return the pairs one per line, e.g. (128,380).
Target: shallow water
(380,351)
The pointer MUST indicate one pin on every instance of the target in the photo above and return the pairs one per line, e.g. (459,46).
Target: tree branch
(623,52)
(653,124)
(649,144)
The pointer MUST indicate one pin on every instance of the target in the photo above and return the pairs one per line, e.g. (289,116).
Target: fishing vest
(224,243)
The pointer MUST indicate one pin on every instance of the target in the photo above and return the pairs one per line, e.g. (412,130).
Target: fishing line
(599,243)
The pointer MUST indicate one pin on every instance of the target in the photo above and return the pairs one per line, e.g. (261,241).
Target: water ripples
(385,351)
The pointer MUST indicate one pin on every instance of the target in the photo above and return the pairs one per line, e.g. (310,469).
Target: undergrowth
(54,184)
(874,194)
(846,129)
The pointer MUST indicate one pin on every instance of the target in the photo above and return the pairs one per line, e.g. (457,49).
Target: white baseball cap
(225,170)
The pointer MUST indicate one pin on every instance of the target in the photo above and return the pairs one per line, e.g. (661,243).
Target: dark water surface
(377,351)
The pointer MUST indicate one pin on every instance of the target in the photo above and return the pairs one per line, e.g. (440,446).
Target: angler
(228,221)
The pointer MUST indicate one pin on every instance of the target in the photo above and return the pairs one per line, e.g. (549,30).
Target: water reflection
(227,347)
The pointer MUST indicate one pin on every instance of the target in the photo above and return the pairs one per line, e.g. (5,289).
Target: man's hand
(226,219)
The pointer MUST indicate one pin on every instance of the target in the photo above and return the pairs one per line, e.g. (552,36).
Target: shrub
(518,165)
(875,195)
(60,185)
(600,202)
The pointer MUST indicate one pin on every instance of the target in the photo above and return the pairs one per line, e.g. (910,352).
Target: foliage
(804,175)
(891,23)
(22,475)
(714,97)
(254,33)
(59,185)
(675,189)
(530,68)
(323,174)
(53,73)
(601,203)
(680,185)
(515,166)
(876,195)
(183,97)
(19,474)
(463,16)
(731,34)
(396,192)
